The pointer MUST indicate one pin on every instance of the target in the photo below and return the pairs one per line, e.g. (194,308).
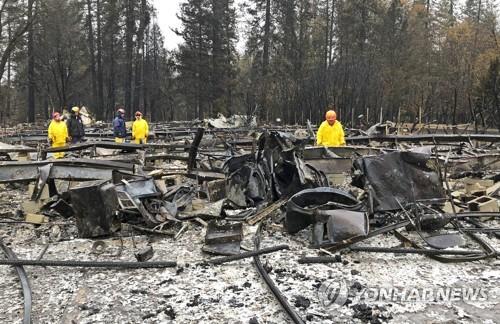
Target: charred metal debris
(438,194)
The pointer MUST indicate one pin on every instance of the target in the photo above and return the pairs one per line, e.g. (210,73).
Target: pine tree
(488,93)
(207,57)
(223,54)
(193,56)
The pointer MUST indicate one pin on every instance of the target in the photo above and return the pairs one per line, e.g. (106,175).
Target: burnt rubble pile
(242,192)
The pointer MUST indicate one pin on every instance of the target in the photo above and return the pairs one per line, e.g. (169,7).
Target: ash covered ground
(229,293)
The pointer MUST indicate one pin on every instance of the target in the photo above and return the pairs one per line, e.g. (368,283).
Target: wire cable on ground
(274,289)
(23,277)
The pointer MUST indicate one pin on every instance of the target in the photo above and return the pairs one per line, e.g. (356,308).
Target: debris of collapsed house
(438,195)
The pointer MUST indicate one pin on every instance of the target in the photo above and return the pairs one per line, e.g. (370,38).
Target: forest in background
(401,60)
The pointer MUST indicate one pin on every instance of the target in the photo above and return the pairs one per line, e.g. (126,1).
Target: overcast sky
(167,20)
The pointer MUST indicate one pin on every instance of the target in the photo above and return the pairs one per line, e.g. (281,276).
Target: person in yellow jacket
(58,134)
(330,132)
(140,129)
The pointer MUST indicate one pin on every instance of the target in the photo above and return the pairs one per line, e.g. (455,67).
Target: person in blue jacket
(119,127)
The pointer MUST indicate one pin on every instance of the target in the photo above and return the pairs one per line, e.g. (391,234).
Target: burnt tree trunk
(90,38)
(100,77)
(31,65)
(129,51)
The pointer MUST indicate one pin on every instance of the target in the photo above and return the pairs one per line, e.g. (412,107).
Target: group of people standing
(330,132)
(61,132)
(140,128)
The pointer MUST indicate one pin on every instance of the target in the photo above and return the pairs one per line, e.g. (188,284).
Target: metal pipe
(248,254)
(91,264)
(376,249)
(329,259)
(481,230)
(42,253)
(478,224)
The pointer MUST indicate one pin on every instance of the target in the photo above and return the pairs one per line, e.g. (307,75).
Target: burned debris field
(249,161)
(217,222)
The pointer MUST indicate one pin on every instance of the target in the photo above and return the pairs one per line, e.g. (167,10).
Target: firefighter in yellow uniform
(330,132)
(58,134)
(140,129)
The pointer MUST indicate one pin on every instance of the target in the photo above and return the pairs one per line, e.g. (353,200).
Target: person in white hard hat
(119,126)
(76,129)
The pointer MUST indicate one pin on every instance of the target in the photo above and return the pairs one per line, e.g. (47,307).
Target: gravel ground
(230,293)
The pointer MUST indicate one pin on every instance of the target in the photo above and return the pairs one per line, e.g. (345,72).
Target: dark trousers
(76,139)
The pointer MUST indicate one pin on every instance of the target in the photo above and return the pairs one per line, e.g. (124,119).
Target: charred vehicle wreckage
(168,227)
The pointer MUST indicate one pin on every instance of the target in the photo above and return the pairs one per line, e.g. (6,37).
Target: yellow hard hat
(75,109)
(331,115)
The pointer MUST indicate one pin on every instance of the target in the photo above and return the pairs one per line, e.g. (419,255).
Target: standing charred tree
(258,52)
(100,73)
(91,36)
(139,55)
(267,39)
(222,23)
(129,53)
(110,52)
(31,65)
(193,57)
